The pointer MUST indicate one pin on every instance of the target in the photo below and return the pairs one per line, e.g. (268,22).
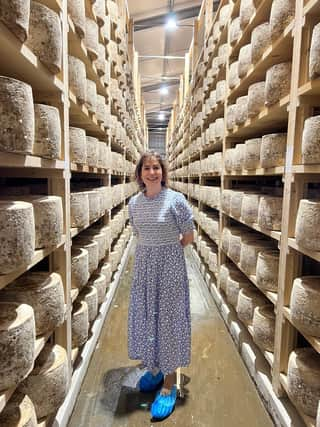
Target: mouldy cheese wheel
(245,60)
(93,250)
(77,11)
(114,256)
(15,15)
(256,98)
(16,116)
(248,300)
(307,230)
(247,10)
(224,273)
(47,383)
(267,270)
(107,271)
(231,116)
(263,323)
(94,204)
(99,281)
(44,293)
(228,159)
(47,140)
(220,91)
(304,379)
(99,8)
(100,63)
(89,294)
(77,78)
(235,203)
(310,150)
(113,11)
(224,15)
(103,154)
(45,36)
(235,244)
(219,130)
(282,12)
(100,238)
(260,41)
(278,79)
(238,157)
(79,323)
(17,235)
(105,197)
(18,412)
(79,209)
(78,145)
(305,305)
(226,199)
(252,153)
(91,38)
(101,109)
(273,149)
(48,216)
(235,282)
(79,267)
(225,238)
(17,339)
(91,96)
(233,75)
(250,247)
(270,212)
(235,30)
(242,109)
(223,54)
(92,151)
(314,60)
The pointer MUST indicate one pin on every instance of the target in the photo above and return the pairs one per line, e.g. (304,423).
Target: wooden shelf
(312,7)
(19,62)
(279,170)
(88,169)
(38,256)
(13,160)
(310,422)
(306,169)
(312,87)
(311,254)
(314,341)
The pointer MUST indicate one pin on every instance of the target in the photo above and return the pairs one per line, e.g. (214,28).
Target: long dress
(159,321)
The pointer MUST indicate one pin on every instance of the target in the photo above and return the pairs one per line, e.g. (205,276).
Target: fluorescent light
(161,116)
(164,90)
(171,23)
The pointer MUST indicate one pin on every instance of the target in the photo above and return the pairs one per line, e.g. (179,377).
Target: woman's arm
(187,238)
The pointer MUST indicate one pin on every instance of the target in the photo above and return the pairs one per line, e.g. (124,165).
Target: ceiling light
(171,23)
(164,90)
(161,116)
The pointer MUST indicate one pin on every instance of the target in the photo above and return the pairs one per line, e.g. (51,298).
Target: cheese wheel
(314,61)
(107,271)
(15,15)
(91,38)
(260,41)
(235,203)
(282,12)
(245,60)
(89,294)
(47,142)
(99,281)
(93,251)
(78,145)
(79,267)
(248,300)
(247,10)
(250,247)
(92,151)
(252,153)
(79,323)
(235,30)
(270,212)
(235,282)
(49,378)
(310,150)
(267,270)
(77,78)
(256,98)
(99,8)
(77,12)
(17,337)
(278,79)
(263,323)
(18,412)
(307,230)
(91,96)
(273,150)
(79,209)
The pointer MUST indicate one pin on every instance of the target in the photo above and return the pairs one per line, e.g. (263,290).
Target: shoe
(149,382)
(163,406)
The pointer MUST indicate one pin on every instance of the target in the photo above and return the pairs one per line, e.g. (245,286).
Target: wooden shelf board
(314,341)
(310,422)
(311,254)
(19,62)
(14,160)
(312,7)
(312,87)
(279,170)
(280,50)
(74,231)
(268,119)
(306,169)
(80,117)
(39,255)
(75,167)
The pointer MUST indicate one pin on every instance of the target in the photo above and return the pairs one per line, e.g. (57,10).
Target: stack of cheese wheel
(305,305)
(263,323)
(17,337)
(79,323)
(18,412)
(248,300)
(48,379)
(44,293)
(304,379)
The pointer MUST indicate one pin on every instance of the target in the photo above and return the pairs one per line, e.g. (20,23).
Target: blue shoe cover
(163,406)
(149,382)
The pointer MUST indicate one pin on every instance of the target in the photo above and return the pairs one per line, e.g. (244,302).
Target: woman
(159,326)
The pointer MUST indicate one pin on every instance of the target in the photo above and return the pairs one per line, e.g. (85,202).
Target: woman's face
(151,172)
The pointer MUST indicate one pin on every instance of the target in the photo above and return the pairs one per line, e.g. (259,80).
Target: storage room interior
(228,92)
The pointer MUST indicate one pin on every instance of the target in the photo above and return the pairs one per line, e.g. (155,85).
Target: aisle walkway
(219,392)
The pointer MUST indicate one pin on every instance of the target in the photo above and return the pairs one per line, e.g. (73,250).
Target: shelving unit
(123,131)
(190,141)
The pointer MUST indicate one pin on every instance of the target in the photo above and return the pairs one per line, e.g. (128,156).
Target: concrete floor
(218,389)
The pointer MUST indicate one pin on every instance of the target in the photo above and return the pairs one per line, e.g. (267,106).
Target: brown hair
(163,165)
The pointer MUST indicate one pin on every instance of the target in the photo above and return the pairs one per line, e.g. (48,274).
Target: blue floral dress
(159,323)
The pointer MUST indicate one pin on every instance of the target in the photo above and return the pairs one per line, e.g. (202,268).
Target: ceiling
(151,38)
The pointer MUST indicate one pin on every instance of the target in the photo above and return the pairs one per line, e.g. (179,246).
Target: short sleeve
(134,229)
(183,214)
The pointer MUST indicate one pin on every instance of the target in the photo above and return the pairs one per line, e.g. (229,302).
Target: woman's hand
(187,238)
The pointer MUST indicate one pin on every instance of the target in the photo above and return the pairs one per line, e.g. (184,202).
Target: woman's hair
(163,165)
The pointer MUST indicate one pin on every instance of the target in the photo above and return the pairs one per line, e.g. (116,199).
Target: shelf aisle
(217,383)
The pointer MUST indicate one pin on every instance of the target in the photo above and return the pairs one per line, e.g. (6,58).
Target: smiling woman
(159,330)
